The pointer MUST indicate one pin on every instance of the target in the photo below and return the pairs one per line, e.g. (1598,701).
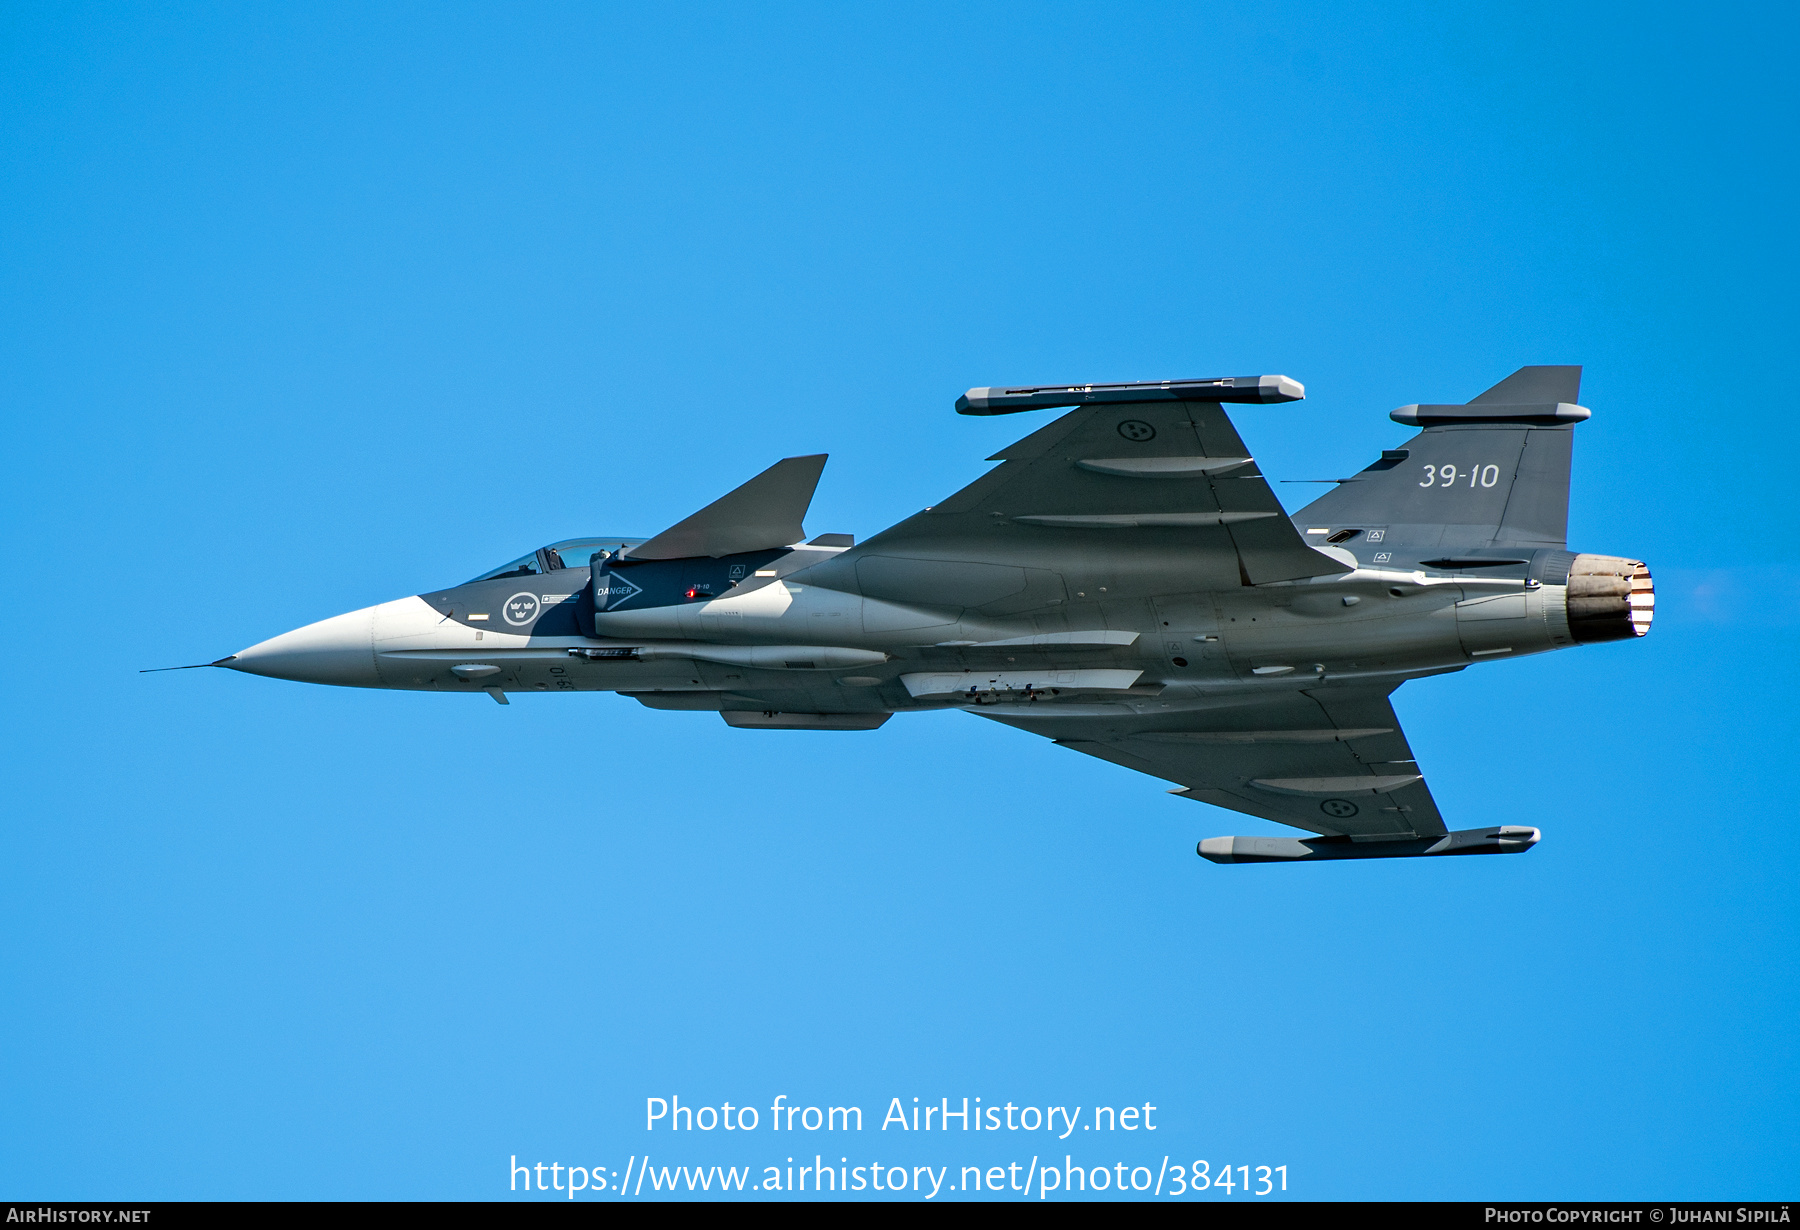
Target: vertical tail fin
(1493,472)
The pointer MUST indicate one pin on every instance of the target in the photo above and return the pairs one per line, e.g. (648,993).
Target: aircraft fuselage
(688,634)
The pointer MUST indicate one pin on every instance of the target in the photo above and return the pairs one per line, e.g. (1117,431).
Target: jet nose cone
(338,650)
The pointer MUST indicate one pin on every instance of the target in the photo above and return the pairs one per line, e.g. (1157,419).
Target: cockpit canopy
(570,553)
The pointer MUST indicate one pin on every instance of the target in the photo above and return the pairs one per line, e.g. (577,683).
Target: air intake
(1610,599)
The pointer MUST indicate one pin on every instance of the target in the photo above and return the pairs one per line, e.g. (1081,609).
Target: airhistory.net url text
(1021,1180)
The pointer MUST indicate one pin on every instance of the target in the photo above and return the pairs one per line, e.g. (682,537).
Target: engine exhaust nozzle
(1610,599)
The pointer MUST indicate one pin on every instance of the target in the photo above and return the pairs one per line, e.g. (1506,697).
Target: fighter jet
(1124,583)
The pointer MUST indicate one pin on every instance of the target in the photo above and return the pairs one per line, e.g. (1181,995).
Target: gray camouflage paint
(1125,582)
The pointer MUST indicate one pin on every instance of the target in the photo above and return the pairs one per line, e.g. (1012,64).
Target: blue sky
(310,308)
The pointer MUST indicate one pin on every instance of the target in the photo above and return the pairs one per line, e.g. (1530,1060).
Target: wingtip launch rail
(1241,389)
(1505,839)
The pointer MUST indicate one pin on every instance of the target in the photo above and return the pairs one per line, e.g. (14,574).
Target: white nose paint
(338,650)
